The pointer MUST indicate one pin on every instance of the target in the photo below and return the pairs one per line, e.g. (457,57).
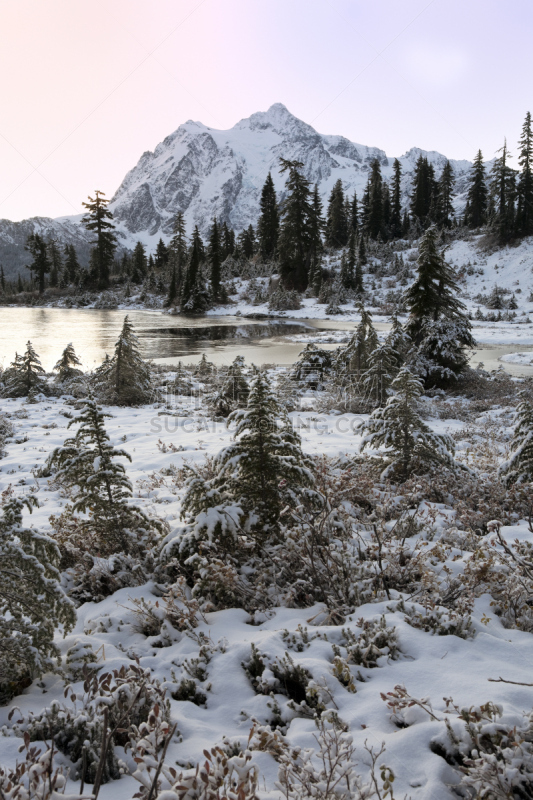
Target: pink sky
(88,87)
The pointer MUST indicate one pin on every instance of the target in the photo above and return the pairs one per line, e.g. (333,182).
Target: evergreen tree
(295,244)
(193,295)
(228,241)
(503,195)
(396,201)
(444,202)
(72,266)
(247,242)
(173,292)
(235,390)
(374,224)
(161,255)
(400,429)
(124,379)
(361,251)
(352,361)
(25,374)
(2,279)
(524,211)
(353,219)
(518,468)
(37,246)
(268,224)
(259,469)
(423,190)
(476,216)
(87,463)
(99,219)
(56,263)
(139,266)
(437,325)
(380,373)
(67,366)
(214,260)
(316,226)
(336,220)
(32,603)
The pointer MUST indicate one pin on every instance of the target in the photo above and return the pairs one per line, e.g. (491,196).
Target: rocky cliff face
(206,172)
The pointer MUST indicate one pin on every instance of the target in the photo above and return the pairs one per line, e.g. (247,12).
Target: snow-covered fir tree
(352,361)
(255,474)
(32,603)
(382,369)
(438,325)
(67,366)
(312,366)
(87,463)
(518,468)
(25,374)
(399,428)
(124,379)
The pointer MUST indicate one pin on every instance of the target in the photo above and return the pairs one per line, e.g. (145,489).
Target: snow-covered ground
(430,666)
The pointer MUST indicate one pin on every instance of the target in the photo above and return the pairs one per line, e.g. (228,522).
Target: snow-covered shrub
(79,661)
(284,300)
(438,620)
(284,676)
(375,641)
(329,773)
(6,430)
(518,468)
(109,711)
(495,759)
(25,376)
(220,777)
(36,778)
(29,562)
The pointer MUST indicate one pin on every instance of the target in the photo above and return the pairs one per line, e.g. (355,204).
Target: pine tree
(316,226)
(124,379)
(67,366)
(72,266)
(214,260)
(260,468)
(99,219)
(524,211)
(25,375)
(268,224)
(399,428)
(336,220)
(32,603)
(396,201)
(503,194)
(56,263)
(295,244)
(380,373)
(235,389)
(193,294)
(445,184)
(228,241)
(247,242)
(161,255)
(37,246)
(139,267)
(437,325)
(423,190)
(2,279)
(374,225)
(353,360)
(361,251)
(347,272)
(518,468)
(353,219)
(173,292)
(312,366)
(477,194)
(87,464)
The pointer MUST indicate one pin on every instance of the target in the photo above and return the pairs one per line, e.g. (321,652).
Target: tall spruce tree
(193,297)
(477,194)
(396,201)
(139,265)
(438,325)
(399,428)
(316,226)
(444,197)
(268,224)
(124,379)
(336,219)
(524,211)
(374,224)
(100,220)
(38,248)
(56,262)
(161,255)
(32,602)
(295,244)
(72,265)
(214,261)
(353,220)
(503,194)
(423,190)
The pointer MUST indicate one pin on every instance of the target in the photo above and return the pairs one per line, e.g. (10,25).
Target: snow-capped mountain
(206,172)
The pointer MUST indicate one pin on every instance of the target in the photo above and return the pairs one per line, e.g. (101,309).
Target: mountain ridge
(206,172)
